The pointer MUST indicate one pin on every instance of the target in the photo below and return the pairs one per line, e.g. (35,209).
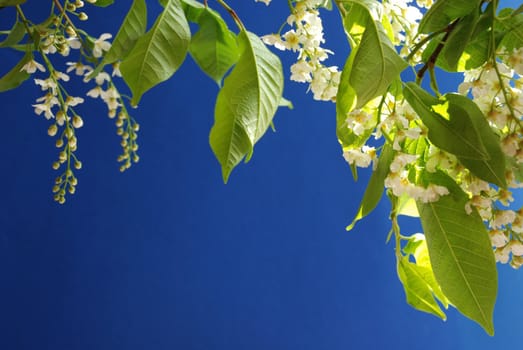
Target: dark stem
(431,62)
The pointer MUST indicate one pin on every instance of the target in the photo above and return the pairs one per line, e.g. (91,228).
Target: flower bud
(52,130)
(82,16)
(56,165)
(77,122)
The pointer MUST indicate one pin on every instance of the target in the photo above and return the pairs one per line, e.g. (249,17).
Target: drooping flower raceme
(306,38)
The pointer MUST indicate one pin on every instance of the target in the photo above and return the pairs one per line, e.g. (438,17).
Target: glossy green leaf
(247,102)
(372,56)
(454,134)
(214,46)
(16,34)
(159,53)
(16,75)
(443,12)
(133,27)
(374,190)
(11,2)
(460,253)
(103,3)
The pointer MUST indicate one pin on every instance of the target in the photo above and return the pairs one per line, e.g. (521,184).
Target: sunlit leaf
(247,102)
(373,55)
(133,27)
(460,253)
(158,54)
(214,46)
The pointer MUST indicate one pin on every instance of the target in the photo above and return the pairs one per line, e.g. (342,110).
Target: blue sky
(165,256)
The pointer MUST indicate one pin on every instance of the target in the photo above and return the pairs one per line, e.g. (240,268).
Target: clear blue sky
(165,256)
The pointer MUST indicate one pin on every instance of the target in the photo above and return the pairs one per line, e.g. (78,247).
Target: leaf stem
(233,14)
(431,62)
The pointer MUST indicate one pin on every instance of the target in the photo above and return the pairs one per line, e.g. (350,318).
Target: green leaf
(103,3)
(11,2)
(457,42)
(491,169)
(247,102)
(479,48)
(417,247)
(158,54)
(443,12)
(452,134)
(16,34)
(372,56)
(133,27)
(193,9)
(460,253)
(16,75)
(513,28)
(214,46)
(374,190)
(416,282)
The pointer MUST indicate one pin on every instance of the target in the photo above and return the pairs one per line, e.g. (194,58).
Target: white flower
(266,2)
(502,254)
(31,66)
(498,238)
(47,84)
(502,218)
(516,247)
(101,44)
(301,71)
(360,157)
(79,68)
(73,101)
(274,40)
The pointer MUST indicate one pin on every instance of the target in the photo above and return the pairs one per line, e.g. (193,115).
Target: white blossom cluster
(404,18)
(496,89)
(59,107)
(306,39)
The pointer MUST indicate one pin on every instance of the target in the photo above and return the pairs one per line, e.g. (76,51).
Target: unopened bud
(52,130)
(77,122)
(82,16)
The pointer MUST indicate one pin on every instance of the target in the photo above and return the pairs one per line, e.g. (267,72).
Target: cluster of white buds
(59,106)
(306,38)
(127,127)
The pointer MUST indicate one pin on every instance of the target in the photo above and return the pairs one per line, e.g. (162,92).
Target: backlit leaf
(247,102)
(158,54)
(460,253)
(214,46)
(133,27)
(443,12)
